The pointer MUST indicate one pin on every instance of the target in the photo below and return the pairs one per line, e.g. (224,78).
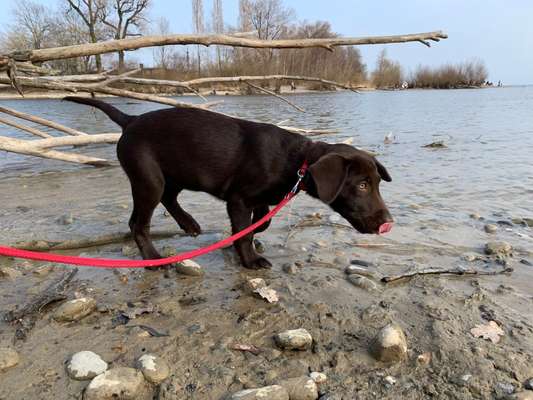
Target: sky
(498,32)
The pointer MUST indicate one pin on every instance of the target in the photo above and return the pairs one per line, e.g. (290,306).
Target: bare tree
(388,73)
(91,12)
(198,26)
(269,18)
(125,18)
(163,55)
(32,25)
(218,27)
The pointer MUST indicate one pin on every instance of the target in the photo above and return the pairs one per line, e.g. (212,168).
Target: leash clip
(301,174)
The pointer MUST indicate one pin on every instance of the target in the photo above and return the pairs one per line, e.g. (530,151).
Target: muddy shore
(205,316)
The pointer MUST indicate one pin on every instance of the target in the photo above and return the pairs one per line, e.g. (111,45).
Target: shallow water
(485,169)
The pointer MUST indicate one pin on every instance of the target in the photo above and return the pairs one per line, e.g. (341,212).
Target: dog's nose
(385,228)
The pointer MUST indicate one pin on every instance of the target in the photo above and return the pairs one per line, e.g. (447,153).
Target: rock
(362,282)
(8,358)
(275,392)
(296,339)
(334,218)
(75,310)
(517,221)
(491,228)
(354,269)
(318,377)
(255,283)
(498,248)
(389,381)
(289,268)
(85,365)
(390,345)
(129,251)
(301,388)
(504,388)
(424,358)
(526,395)
(190,268)
(362,263)
(119,383)
(529,384)
(154,368)
(10,273)
(526,262)
(341,260)
(528,221)
(65,219)
(475,216)
(259,246)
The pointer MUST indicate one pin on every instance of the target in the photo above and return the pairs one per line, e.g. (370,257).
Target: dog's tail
(114,113)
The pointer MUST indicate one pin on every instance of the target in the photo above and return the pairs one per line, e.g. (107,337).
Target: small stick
(437,271)
(275,95)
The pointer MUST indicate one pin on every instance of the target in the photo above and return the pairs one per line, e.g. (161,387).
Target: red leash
(113,263)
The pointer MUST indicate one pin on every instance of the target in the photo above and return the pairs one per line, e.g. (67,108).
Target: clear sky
(495,31)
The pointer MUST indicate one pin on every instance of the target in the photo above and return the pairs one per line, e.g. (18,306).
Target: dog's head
(348,180)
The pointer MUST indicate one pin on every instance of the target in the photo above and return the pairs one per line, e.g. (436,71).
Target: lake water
(487,167)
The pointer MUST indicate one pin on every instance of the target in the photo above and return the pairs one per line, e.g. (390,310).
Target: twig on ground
(439,271)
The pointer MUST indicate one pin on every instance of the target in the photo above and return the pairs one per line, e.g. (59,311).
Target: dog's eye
(362,186)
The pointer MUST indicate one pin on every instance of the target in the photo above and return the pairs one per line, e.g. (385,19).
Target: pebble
(362,282)
(256,283)
(529,222)
(529,384)
(301,388)
(517,221)
(10,273)
(334,218)
(318,377)
(390,344)
(505,388)
(354,269)
(475,216)
(8,358)
(424,358)
(154,369)
(389,380)
(259,246)
(65,219)
(190,268)
(289,268)
(118,383)
(498,248)
(274,392)
(526,262)
(526,395)
(362,263)
(75,310)
(85,365)
(295,339)
(491,228)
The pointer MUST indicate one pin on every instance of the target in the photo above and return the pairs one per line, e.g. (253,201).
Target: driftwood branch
(111,46)
(271,93)
(41,121)
(26,128)
(27,147)
(440,271)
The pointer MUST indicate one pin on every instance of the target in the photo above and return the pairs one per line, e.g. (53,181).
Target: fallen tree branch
(25,318)
(111,46)
(102,240)
(271,93)
(27,148)
(41,121)
(76,140)
(26,128)
(309,132)
(437,271)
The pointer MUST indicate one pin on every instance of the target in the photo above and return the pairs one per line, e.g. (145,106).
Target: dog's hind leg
(147,189)
(183,218)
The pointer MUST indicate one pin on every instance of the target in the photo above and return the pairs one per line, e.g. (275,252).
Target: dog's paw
(258,263)
(192,228)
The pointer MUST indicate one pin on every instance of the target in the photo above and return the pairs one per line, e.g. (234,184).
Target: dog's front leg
(241,218)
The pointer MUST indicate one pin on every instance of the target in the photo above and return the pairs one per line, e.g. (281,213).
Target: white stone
(274,392)
(295,339)
(189,267)
(85,365)
(318,377)
(119,383)
(154,369)
(390,380)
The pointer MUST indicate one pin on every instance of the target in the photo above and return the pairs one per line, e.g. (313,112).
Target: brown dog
(249,165)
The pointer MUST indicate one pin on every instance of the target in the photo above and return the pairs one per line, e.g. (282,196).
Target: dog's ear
(329,174)
(383,171)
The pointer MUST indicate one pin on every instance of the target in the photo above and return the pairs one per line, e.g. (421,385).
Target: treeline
(389,74)
(74,22)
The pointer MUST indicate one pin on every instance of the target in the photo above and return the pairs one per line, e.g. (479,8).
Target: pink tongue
(384,228)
